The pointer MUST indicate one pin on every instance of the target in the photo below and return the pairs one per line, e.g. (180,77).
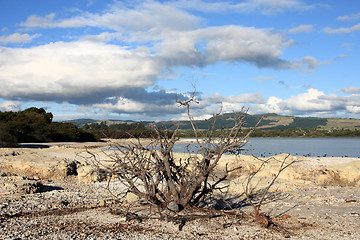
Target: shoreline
(39,161)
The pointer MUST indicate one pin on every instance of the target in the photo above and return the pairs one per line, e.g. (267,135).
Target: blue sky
(108,59)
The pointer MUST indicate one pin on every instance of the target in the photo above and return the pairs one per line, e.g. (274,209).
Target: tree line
(289,132)
(122,130)
(36,125)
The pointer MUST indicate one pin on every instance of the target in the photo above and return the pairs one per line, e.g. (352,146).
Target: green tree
(35,125)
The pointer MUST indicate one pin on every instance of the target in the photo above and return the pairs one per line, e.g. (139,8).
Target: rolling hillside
(270,121)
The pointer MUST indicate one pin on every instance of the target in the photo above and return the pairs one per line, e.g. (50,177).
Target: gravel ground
(75,211)
(64,209)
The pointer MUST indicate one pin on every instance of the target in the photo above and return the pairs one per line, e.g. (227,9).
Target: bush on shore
(36,125)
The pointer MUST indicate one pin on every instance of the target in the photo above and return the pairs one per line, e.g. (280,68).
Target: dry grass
(279,121)
(338,123)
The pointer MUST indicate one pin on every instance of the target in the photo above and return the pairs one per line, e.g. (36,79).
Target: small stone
(285,216)
(173,206)
(102,203)
(131,197)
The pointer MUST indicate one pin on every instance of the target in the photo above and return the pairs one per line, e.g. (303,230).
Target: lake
(310,147)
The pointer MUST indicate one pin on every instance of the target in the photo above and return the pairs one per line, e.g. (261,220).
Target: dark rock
(65,202)
(71,168)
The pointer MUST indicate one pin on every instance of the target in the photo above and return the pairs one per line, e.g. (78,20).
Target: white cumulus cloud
(343,30)
(302,29)
(18,38)
(75,71)
(134,45)
(312,102)
(349,18)
(10,106)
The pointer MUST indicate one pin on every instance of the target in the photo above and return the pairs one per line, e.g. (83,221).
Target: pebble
(102,203)
(173,206)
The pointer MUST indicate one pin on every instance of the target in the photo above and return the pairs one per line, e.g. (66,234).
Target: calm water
(313,147)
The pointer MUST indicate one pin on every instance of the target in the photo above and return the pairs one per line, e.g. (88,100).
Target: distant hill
(278,121)
(270,121)
(81,122)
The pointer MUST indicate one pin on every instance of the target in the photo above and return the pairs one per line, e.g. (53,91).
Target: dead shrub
(157,177)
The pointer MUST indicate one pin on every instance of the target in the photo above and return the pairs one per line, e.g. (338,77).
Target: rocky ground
(314,200)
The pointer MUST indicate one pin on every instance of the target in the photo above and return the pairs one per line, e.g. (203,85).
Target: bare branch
(153,173)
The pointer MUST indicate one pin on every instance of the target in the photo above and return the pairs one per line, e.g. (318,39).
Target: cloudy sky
(108,59)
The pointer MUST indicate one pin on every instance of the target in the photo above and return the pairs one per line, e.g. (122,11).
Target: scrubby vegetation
(118,126)
(121,130)
(285,132)
(36,125)
(274,125)
(223,121)
(298,132)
